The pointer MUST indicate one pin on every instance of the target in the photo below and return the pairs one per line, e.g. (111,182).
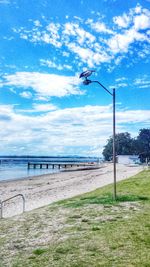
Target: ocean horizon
(16,167)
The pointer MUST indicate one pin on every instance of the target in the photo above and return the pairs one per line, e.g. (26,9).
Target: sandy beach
(42,190)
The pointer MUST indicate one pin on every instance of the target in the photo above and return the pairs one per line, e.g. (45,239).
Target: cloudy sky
(44,46)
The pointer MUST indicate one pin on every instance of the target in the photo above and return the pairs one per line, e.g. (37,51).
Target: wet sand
(45,189)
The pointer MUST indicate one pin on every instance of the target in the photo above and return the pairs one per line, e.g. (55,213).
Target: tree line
(126,145)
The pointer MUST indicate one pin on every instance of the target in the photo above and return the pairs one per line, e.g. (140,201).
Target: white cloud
(142,22)
(44,84)
(39,97)
(47,38)
(88,56)
(121,42)
(138,19)
(26,94)
(143,82)
(120,79)
(82,129)
(99,27)
(44,107)
(134,116)
(6,109)
(122,21)
(81,36)
(49,35)
(127,18)
(52,64)
(53,28)
(37,23)
(57,35)
(69,28)
(138,9)
(121,85)
(99,44)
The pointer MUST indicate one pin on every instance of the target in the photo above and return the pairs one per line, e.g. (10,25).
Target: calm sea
(13,167)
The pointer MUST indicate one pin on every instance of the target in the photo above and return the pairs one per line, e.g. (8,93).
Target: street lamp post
(86,81)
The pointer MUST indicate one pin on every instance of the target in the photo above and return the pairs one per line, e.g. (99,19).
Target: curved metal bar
(2,202)
(103,87)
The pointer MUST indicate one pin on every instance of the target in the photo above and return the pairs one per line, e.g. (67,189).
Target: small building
(128,159)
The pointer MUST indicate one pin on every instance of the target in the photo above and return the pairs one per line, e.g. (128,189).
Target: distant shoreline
(28,156)
(12,168)
(58,171)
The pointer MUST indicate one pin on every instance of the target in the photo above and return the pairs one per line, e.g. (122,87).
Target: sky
(44,46)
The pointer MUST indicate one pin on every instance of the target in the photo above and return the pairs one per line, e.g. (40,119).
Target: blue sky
(44,46)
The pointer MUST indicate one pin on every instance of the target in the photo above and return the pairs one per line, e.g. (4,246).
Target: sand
(45,189)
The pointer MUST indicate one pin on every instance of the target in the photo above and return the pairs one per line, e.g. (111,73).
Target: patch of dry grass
(88,230)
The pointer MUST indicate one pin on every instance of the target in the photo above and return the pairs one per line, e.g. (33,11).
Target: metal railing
(2,202)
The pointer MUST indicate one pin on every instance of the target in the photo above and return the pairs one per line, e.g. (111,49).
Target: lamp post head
(86,82)
(86,74)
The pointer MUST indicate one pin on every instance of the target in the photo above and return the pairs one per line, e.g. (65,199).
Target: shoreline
(51,173)
(45,189)
(21,171)
(25,178)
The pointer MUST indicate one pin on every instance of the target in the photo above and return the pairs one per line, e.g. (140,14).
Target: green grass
(105,199)
(127,190)
(88,230)
(39,251)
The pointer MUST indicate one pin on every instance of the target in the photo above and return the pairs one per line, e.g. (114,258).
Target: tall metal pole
(114,135)
(114,143)
(85,75)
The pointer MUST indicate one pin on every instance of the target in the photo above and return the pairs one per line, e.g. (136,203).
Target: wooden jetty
(46,165)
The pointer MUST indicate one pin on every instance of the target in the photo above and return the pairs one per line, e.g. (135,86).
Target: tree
(125,145)
(108,149)
(143,144)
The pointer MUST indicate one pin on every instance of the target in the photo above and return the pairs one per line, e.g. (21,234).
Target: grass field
(90,230)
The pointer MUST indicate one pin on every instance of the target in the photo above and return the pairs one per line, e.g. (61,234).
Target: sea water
(14,167)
